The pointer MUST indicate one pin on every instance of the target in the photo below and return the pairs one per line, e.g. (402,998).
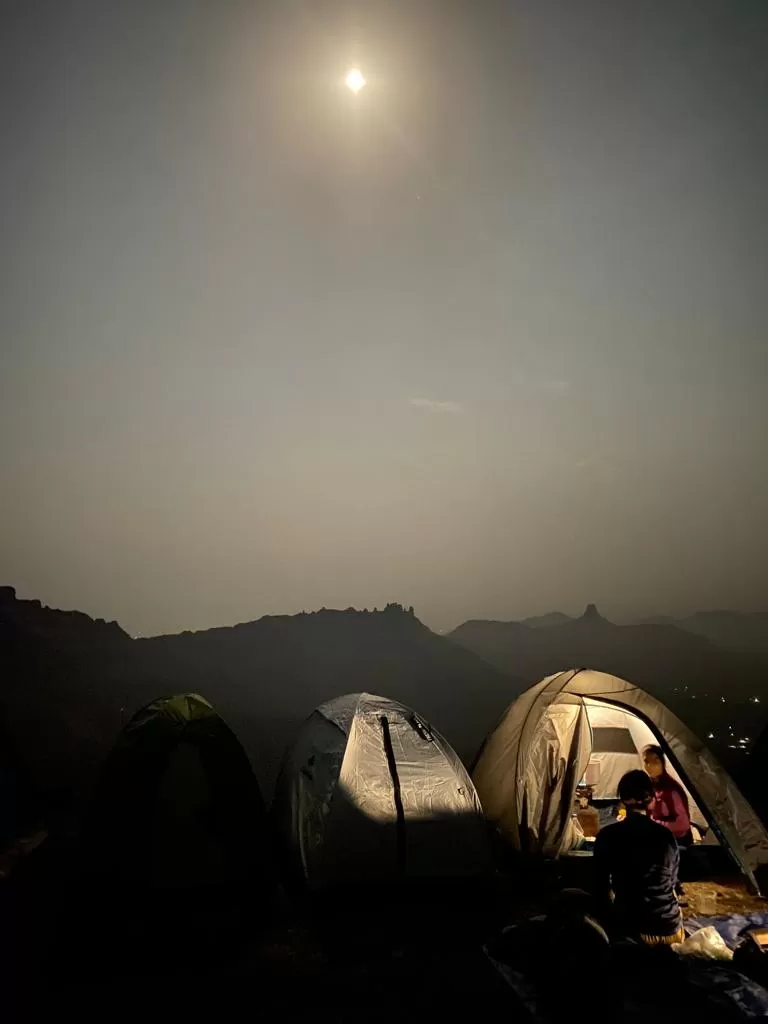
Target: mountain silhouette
(659,657)
(734,631)
(593,616)
(267,676)
(58,715)
(71,682)
(545,621)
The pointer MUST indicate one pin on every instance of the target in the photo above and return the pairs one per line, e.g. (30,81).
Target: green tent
(178,805)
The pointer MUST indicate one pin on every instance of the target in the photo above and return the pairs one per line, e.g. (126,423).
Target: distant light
(354,80)
(710,735)
(755,700)
(723,699)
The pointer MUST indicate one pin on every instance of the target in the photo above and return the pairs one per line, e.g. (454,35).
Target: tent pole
(398,798)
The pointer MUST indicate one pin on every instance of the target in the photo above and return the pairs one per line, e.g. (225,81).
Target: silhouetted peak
(7,595)
(593,616)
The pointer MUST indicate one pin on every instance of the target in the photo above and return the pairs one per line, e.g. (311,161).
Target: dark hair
(635,788)
(654,748)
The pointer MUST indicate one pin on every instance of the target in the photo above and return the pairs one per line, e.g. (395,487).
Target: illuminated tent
(528,769)
(178,806)
(370,791)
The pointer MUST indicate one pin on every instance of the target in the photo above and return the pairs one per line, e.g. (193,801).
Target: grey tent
(370,791)
(529,767)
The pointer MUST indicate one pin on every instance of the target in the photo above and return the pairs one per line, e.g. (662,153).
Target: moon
(354,80)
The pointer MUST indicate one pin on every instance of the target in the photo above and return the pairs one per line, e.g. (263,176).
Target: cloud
(434,406)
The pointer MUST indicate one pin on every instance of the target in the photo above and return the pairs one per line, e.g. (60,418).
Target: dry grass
(721,897)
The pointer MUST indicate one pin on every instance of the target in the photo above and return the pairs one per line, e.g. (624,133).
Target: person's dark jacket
(638,860)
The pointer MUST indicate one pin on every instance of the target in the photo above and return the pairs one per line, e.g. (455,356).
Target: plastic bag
(707,943)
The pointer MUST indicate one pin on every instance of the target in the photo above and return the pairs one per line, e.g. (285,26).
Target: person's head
(635,790)
(653,760)
(583,796)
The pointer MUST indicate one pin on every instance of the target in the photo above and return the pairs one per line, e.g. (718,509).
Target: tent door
(558,762)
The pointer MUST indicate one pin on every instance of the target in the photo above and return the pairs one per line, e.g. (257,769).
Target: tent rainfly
(371,792)
(178,805)
(528,769)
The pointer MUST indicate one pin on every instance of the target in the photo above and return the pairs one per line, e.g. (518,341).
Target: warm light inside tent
(354,80)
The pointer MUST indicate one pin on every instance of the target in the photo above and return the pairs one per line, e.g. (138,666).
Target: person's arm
(680,817)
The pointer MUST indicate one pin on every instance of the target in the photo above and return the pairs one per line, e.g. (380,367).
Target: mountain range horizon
(72,682)
(538,620)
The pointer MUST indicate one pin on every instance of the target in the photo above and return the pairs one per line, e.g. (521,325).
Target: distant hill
(742,632)
(721,694)
(58,713)
(70,681)
(62,629)
(267,676)
(734,631)
(545,621)
(660,657)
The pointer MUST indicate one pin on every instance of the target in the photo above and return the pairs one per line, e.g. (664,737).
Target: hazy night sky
(488,338)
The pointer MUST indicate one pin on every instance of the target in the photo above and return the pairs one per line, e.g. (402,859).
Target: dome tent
(176,845)
(178,803)
(370,792)
(527,771)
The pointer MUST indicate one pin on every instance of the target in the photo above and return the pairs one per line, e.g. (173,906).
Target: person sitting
(637,860)
(587,815)
(669,806)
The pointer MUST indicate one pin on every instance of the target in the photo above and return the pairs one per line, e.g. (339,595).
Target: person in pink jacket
(669,806)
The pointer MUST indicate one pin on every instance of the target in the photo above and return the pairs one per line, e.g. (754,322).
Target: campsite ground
(718,897)
(368,958)
(375,954)
(373,958)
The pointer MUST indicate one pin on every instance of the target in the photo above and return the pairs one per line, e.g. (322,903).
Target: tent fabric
(515,793)
(560,757)
(178,804)
(370,791)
